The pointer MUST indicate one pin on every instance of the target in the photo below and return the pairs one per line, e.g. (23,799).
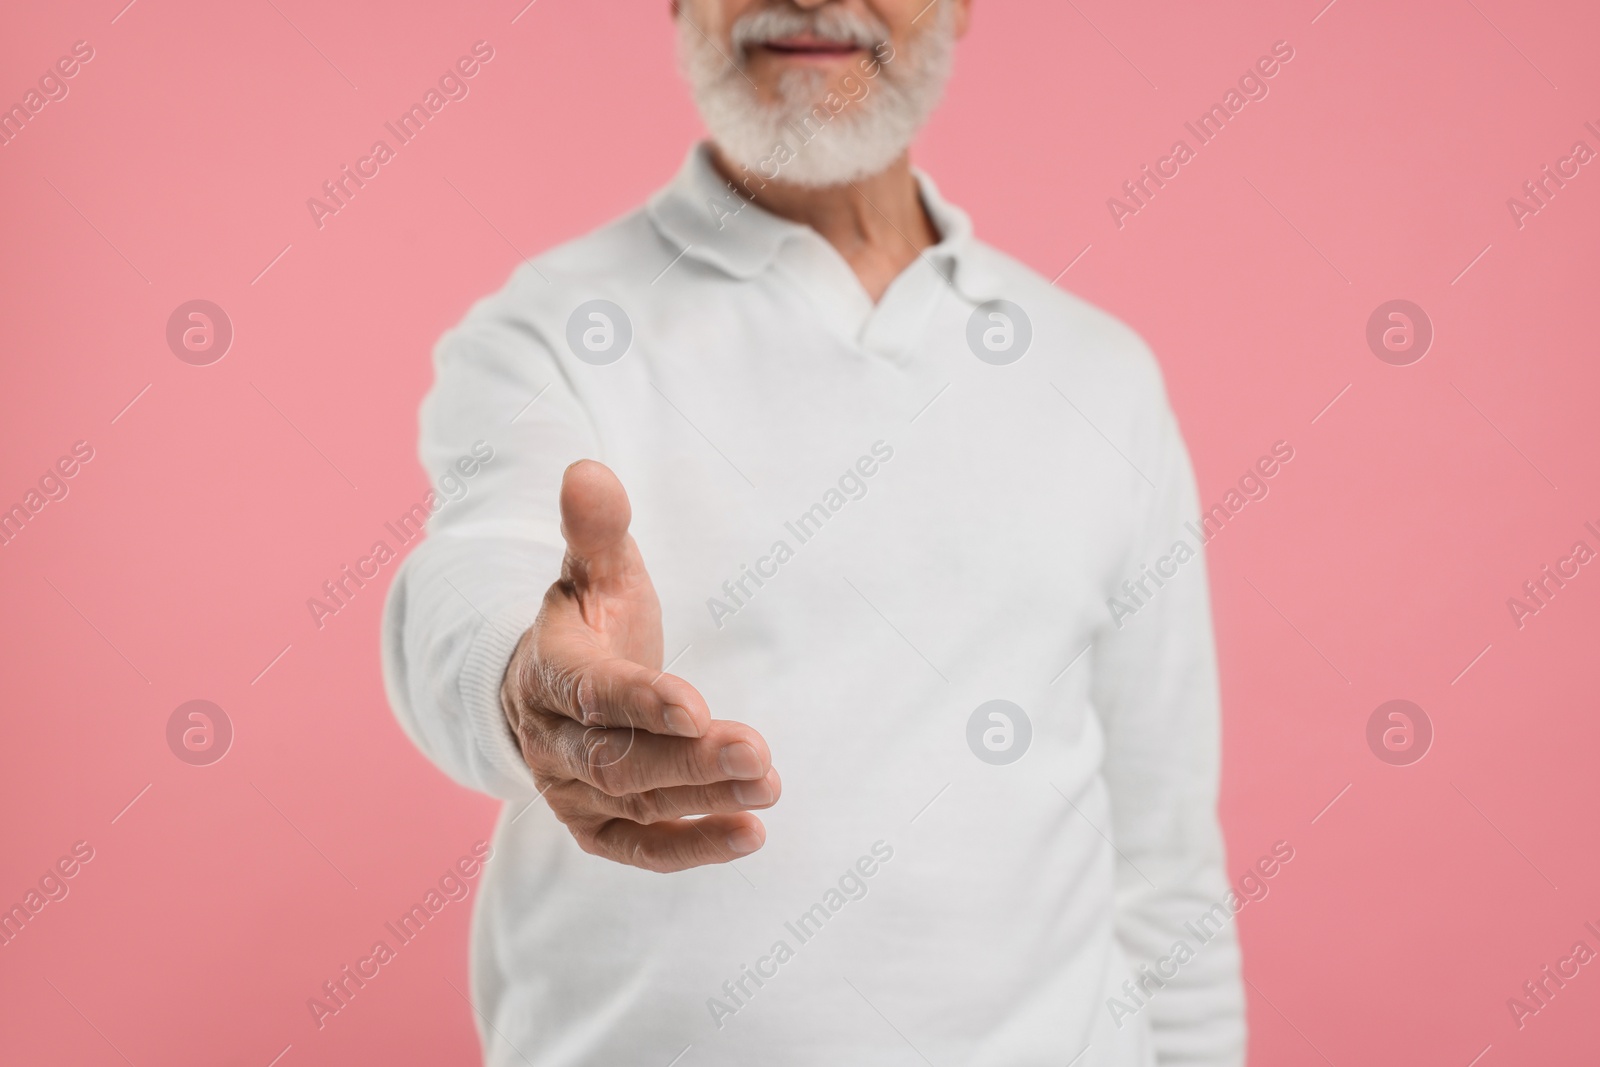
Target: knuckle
(589,842)
(540,745)
(607,842)
(593,831)
(653,856)
(527,745)
(564,806)
(638,807)
(583,696)
(600,774)
(608,756)
(604,770)
(557,685)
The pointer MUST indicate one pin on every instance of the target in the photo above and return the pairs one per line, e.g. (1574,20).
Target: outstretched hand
(622,751)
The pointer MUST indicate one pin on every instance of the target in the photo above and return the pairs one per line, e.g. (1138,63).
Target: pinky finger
(679,844)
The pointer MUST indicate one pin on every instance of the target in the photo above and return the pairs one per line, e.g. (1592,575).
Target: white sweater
(861,532)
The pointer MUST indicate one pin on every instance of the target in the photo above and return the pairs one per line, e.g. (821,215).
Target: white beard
(799,136)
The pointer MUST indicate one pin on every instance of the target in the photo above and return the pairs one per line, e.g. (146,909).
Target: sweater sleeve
(1155,688)
(464,597)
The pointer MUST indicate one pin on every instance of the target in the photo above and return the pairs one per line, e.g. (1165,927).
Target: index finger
(599,690)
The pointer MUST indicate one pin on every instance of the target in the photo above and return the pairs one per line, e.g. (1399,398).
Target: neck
(878,223)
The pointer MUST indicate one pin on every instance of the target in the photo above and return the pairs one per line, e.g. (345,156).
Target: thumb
(594,522)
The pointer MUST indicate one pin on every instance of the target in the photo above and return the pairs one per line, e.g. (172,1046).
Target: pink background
(1379,567)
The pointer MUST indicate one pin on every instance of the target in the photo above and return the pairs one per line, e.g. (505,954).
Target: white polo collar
(701,214)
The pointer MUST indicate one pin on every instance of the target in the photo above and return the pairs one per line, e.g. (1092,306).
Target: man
(881,483)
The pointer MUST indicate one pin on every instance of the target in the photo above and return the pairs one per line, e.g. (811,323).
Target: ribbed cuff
(481,675)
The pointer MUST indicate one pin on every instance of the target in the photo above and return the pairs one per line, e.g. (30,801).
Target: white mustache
(828,24)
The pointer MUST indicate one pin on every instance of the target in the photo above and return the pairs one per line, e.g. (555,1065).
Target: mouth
(807,48)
